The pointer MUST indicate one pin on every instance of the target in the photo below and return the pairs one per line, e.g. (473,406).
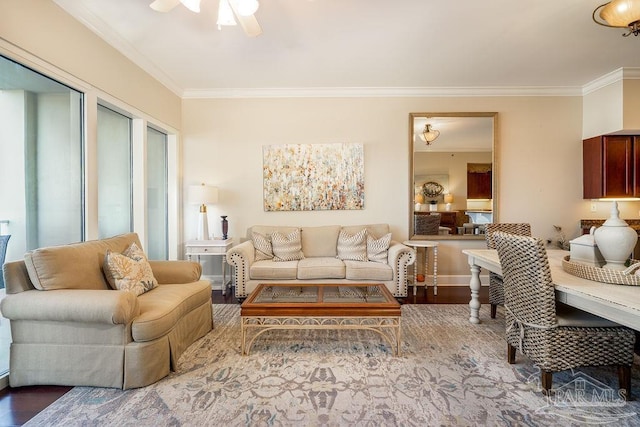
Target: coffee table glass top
(320,294)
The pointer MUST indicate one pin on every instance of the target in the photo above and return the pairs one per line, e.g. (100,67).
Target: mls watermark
(585,400)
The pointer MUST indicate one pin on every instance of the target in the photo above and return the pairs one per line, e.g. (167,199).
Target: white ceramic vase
(615,240)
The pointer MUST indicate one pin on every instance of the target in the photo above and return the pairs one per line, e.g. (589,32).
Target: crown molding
(78,11)
(380,92)
(611,78)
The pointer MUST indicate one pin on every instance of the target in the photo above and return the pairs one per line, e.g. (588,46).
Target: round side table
(426,244)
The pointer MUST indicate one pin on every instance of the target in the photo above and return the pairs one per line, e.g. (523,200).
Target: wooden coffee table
(320,306)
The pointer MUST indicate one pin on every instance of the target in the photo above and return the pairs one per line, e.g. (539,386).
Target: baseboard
(4,381)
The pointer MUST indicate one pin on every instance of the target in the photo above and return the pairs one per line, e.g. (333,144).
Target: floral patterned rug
(450,373)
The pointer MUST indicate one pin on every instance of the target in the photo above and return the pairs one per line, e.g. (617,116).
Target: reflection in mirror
(452,173)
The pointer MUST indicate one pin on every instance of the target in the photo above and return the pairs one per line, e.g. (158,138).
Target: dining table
(618,303)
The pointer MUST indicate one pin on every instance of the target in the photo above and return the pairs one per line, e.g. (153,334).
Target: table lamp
(448,199)
(203,195)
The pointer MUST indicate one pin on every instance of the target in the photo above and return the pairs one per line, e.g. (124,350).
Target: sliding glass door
(41,167)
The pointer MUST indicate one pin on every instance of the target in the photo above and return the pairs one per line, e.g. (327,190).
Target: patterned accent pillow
(129,271)
(263,247)
(352,246)
(378,249)
(287,248)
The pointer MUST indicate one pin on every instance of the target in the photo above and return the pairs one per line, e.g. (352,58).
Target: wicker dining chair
(496,290)
(427,224)
(555,337)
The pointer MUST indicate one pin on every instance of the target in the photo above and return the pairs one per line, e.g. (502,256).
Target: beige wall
(539,155)
(42,29)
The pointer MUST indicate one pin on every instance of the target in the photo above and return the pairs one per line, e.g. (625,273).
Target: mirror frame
(494,177)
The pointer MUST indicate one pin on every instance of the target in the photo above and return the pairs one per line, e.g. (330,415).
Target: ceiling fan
(242,9)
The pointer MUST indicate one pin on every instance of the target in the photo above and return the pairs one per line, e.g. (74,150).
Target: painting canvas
(307,177)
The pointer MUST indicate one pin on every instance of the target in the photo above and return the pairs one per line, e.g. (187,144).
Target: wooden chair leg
(494,308)
(546,380)
(624,380)
(511,354)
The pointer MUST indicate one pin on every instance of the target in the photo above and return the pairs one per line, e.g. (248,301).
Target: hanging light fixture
(429,134)
(225,14)
(247,7)
(619,14)
(192,5)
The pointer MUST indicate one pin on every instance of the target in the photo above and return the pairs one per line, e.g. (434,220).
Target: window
(114,173)
(157,190)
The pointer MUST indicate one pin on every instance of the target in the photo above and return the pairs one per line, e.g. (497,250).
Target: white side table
(211,248)
(426,244)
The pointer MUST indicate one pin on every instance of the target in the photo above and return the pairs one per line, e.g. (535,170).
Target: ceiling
(396,47)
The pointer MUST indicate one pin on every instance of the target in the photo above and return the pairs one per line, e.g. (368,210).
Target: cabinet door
(618,166)
(479,185)
(609,165)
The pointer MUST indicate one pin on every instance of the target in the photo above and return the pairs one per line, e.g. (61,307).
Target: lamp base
(225,227)
(203,227)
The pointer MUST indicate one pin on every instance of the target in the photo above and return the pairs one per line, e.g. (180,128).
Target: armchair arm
(400,257)
(241,257)
(170,272)
(72,305)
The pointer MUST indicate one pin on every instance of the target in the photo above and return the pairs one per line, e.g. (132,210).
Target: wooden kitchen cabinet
(611,166)
(479,181)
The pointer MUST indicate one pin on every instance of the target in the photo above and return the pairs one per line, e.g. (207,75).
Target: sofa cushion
(358,270)
(287,247)
(269,269)
(378,249)
(262,245)
(321,268)
(352,246)
(74,266)
(129,271)
(320,241)
(164,306)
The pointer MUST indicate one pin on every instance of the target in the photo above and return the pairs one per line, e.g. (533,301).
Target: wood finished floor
(19,405)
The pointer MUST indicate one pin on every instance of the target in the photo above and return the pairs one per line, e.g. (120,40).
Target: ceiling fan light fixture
(247,7)
(619,14)
(225,14)
(192,5)
(429,134)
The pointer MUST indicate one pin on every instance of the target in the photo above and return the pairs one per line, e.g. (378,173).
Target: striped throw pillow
(352,246)
(262,244)
(378,249)
(287,248)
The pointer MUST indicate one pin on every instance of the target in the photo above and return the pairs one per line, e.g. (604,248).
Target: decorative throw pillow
(287,248)
(129,271)
(352,246)
(263,247)
(378,249)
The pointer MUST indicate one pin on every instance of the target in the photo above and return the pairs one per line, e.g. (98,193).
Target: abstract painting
(308,177)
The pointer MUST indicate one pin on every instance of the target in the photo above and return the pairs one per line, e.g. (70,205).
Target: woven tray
(605,275)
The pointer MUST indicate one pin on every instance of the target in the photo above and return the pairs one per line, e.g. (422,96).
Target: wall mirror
(453,174)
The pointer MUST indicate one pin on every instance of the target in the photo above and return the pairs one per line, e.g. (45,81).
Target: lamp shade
(247,7)
(192,5)
(448,198)
(202,194)
(621,13)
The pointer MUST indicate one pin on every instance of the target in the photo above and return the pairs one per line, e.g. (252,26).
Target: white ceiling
(389,46)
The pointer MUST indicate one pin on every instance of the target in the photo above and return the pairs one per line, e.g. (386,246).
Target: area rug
(450,373)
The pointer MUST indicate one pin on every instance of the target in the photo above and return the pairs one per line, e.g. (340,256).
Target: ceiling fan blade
(164,5)
(249,23)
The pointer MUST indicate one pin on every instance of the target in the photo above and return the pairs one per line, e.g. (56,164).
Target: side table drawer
(194,250)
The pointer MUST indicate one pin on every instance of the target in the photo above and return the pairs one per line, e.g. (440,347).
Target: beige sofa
(320,262)
(70,328)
